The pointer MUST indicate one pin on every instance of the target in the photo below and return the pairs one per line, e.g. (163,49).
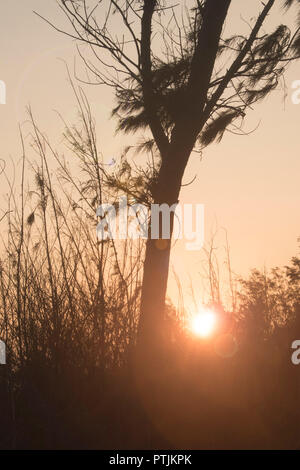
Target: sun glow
(203,324)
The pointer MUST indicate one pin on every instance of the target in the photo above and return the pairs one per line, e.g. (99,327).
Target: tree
(168,65)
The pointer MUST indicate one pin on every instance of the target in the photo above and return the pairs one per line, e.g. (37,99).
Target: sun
(203,324)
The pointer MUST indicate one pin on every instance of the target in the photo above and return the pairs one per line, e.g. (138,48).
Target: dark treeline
(69,314)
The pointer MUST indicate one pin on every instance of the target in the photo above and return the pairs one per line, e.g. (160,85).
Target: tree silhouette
(176,74)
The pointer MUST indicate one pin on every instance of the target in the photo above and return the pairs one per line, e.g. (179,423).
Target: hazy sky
(249,184)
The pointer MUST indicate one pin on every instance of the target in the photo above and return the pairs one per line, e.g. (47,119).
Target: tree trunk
(154,287)
(157,258)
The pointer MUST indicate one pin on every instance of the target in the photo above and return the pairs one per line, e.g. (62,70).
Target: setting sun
(203,324)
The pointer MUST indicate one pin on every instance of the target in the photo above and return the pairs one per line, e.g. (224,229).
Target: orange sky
(249,184)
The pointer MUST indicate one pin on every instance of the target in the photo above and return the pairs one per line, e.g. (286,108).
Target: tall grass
(69,302)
